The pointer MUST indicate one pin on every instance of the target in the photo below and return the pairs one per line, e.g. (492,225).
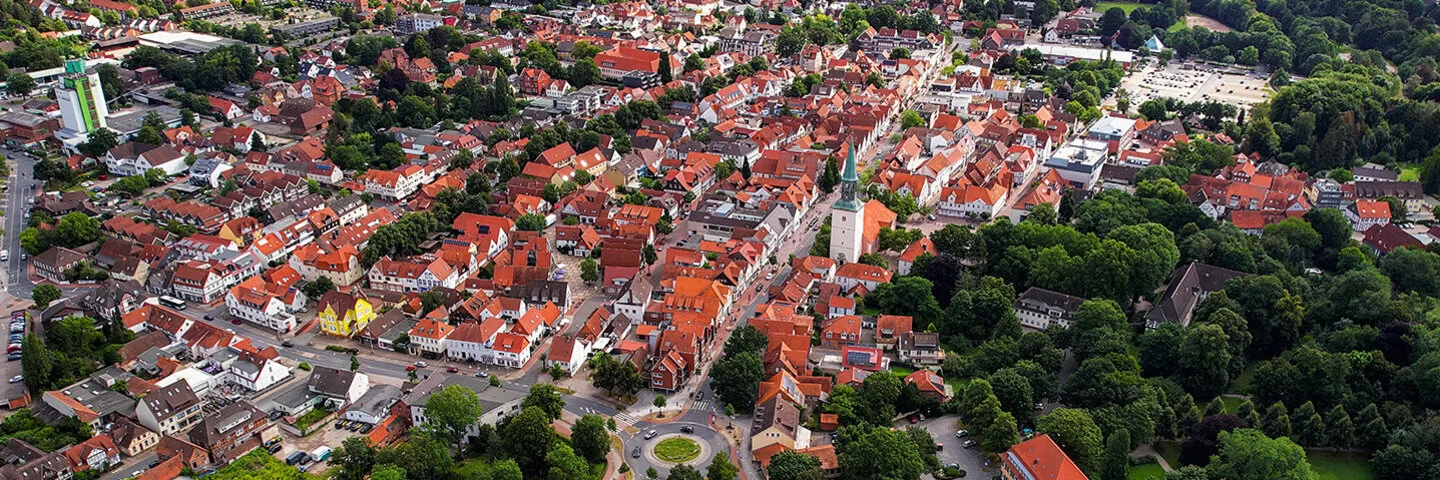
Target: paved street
(16,203)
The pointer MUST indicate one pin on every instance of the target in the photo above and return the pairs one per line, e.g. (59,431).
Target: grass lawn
(677,450)
(1170,451)
(1241,385)
(1410,174)
(1126,6)
(1147,472)
(902,370)
(311,417)
(1232,404)
(1178,25)
(1339,465)
(472,468)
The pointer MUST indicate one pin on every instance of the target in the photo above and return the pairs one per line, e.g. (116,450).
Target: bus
(172,302)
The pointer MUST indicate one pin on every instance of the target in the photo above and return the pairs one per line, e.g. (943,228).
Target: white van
(4,255)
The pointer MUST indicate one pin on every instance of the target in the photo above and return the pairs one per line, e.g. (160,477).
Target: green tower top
(849,182)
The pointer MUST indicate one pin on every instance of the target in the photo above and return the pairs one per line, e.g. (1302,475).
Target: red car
(452,369)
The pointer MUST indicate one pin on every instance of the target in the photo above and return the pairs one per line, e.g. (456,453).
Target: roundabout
(672,449)
(676,450)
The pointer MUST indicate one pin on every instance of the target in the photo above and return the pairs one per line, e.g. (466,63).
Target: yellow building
(342,314)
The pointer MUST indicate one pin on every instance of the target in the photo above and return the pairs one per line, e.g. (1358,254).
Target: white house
(568,353)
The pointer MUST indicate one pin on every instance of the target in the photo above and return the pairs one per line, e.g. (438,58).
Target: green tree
(35,362)
(391,472)
(100,141)
(879,453)
(1001,434)
(1076,433)
(1247,454)
(451,412)
(530,222)
(1204,360)
(589,271)
(1276,422)
(911,118)
(737,378)
(792,465)
(1339,428)
(353,460)
(20,83)
(1117,456)
(527,440)
(720,467)
(1311,429)
(684,472)
(590,438)
(565,464)
(545,397)
(44,294)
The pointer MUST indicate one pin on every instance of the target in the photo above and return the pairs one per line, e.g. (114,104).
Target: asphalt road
(22,174)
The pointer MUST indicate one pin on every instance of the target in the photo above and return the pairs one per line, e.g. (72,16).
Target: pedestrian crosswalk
(700,406)
(625,419)
(621,419)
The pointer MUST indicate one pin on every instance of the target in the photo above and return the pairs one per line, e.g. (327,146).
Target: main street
(22,175)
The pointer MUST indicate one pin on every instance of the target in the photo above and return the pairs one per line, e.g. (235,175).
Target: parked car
(968,444)
(421,364)
(962,433)
(12,357)
(235,321)
(451,369)
(17,379)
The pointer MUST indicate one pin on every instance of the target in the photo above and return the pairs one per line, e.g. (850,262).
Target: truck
(320,454)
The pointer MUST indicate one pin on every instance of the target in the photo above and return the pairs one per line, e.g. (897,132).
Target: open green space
(1410,174)
(1178,25)
(260,464)
(677,450)
(311,417)
(1241,384)
(1340,465)
(1147,472)
(1232,404)
(1170,451)
(1128,7)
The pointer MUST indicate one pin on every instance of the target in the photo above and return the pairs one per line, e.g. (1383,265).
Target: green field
(1101,7)
(1410,174)
(1128,7)
(1147,472)
(1339,465)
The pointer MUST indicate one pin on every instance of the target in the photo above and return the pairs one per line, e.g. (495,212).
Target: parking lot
(1203,83)
(971,460)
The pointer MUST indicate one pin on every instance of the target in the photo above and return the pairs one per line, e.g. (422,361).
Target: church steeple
(849,182)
